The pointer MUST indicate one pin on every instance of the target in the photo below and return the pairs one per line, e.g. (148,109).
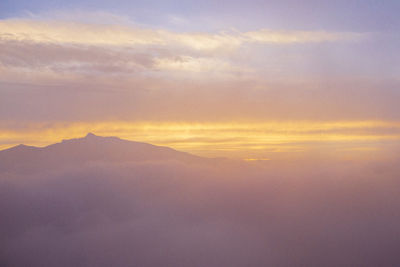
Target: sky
(246,79)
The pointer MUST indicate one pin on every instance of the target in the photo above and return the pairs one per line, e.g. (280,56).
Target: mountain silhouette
(89,148)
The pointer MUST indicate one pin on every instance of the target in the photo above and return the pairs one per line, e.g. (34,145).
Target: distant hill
(86,149)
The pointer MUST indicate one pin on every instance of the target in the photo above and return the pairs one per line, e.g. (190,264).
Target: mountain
(89,148)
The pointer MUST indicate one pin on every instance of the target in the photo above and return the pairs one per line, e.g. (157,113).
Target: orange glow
(243,140)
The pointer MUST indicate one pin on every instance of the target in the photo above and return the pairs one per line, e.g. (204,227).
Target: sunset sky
(243,79)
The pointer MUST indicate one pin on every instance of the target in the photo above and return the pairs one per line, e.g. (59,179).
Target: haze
(222,133)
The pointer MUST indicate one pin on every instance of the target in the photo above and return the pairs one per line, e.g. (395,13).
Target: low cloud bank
(228,214)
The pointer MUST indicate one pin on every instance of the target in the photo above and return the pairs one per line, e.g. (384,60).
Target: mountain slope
(89,148)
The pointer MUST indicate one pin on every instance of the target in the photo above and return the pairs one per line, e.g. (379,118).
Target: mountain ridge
(89,148)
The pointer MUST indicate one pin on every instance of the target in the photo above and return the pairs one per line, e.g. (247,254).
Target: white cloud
(84,33)
(108,43)
(287,37)
(192,64)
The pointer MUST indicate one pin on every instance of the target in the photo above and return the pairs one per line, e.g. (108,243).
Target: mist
(222,213)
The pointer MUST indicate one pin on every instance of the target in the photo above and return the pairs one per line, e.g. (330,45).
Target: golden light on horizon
(243,140)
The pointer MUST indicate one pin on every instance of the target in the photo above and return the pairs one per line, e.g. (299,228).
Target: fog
(222,213)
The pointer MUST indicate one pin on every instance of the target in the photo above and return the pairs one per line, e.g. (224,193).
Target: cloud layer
(316,213)
(74,46)
(51,31)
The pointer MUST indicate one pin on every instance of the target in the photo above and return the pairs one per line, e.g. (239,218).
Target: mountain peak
(90,135)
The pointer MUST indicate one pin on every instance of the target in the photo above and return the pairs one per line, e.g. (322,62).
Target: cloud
(286,37)
(69,32)
(76,33)
(33,56)
(230,214)
(191,64)
(98,68)
(102,43)
(77,47)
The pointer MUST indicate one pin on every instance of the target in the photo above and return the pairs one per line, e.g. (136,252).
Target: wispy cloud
(112,44)
(286,37)
(69,32)
(99,42)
